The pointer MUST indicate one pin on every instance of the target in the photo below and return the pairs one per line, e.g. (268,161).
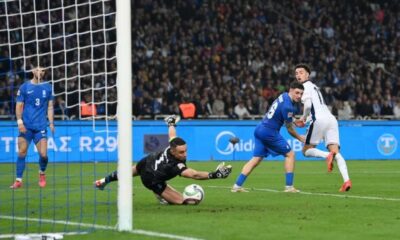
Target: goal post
(85,47)
(124,114)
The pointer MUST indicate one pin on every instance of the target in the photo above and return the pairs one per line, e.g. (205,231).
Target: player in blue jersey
(268,140)
(34,107)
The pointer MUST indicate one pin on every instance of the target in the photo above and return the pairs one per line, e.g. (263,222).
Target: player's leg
(20,164)
(314,135)
(112,177)
(172,196)
(43,158)
(258,155)
(289,172)
(333,144)
(246,170)
(279,146)
(40,140)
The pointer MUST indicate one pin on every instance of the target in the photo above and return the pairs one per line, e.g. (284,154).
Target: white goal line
(96,226)
(316,194)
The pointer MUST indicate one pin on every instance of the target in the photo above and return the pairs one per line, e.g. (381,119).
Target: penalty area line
(97,226)
(317,194)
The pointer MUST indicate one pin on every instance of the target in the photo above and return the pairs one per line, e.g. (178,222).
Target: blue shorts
(269,141)
(34,135)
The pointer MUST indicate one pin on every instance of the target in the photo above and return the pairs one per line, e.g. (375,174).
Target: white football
(193,193)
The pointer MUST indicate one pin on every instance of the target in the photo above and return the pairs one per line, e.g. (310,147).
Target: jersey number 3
(37,101)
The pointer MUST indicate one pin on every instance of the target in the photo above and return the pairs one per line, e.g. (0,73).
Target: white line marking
(39,236)
(317,194)
(96,226)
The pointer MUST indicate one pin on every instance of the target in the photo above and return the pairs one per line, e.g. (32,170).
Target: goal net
(76,42)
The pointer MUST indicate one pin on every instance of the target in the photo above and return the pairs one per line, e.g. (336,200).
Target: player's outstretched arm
(171,132)
(222,171)
(171,121)
(194,174)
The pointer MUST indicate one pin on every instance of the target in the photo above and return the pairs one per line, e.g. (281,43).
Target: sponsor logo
(181,165)
(387,144)
(225,147)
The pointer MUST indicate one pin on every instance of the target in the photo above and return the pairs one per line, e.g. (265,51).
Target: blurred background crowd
(232,58)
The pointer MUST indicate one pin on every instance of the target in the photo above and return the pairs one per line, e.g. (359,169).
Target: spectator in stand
(59,107)
(364,108)
(187,109)
(241,110)
(396,109)
(231,114)
(376,107)
(238,50)
(203,108)
(251,107)
(218,106)
(344,112)
(88,108)
(386,109)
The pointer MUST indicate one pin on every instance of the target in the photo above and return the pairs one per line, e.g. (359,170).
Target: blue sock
(43,163)
(289,179)
(20,166)
(240,180)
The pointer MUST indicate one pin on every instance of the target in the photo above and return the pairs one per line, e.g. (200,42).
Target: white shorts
(323,129)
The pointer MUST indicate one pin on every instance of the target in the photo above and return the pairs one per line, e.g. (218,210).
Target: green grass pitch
(370,210)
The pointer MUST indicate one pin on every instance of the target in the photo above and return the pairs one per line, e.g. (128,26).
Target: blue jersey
(267,138)
(35,98)
(281,111)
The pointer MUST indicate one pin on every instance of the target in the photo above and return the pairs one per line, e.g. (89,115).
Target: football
(193,194)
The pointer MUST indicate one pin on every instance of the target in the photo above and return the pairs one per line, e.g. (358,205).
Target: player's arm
(171,132)
(19,108)
(194,174)
(293,133)
(222,171)
(50,114)
(171,122)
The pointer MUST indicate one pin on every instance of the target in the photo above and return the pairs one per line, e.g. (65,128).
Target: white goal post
(124,114)
(74,40)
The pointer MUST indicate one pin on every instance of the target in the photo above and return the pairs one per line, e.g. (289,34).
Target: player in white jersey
(323,126)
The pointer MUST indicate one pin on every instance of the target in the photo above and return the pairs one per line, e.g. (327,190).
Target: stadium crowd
(231,58)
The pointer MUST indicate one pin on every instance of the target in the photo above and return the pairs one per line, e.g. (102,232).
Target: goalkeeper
(157,168)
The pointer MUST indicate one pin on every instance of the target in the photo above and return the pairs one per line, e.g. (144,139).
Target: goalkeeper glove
(222,171)
(172,120)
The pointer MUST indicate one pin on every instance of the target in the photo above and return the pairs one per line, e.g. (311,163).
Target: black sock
(112,177)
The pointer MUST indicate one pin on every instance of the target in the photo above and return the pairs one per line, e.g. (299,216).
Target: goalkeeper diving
(157,168)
